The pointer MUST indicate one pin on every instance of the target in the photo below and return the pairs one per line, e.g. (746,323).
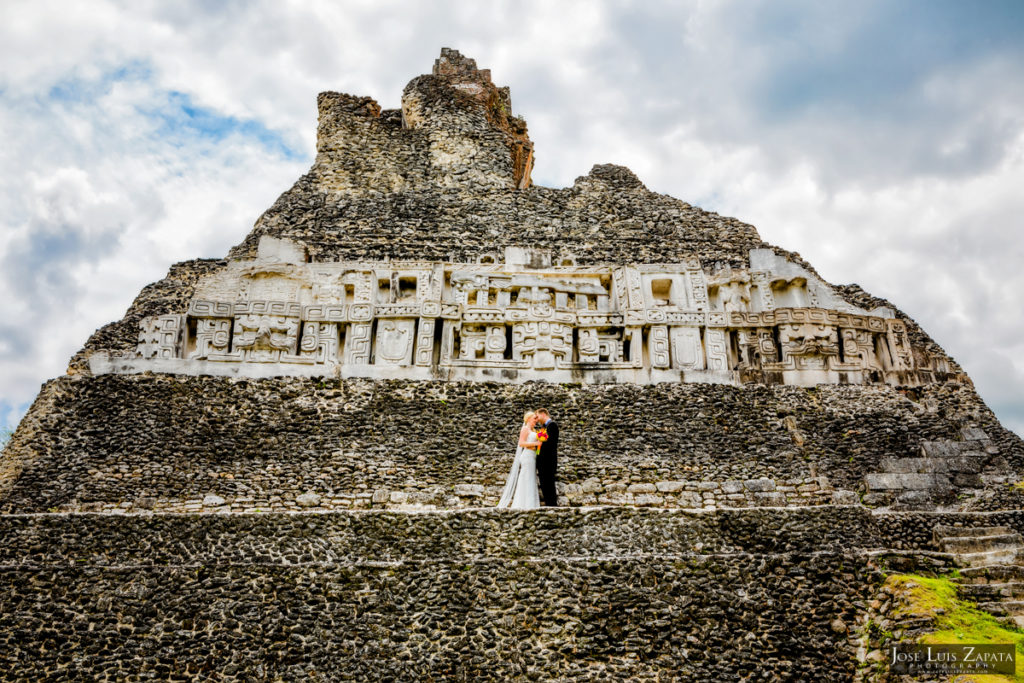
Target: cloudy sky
(884,141)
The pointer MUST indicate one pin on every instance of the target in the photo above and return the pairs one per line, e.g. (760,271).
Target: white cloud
(102,199)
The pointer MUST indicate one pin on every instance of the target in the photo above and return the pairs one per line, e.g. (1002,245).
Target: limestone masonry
(282,465)
(416,248)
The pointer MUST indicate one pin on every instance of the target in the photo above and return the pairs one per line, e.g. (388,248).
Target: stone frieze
(511,321)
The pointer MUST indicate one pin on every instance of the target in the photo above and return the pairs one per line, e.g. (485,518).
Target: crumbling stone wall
(923,345)
(469,535)
(900,531)
(605,217)
(473,596)
(702,619)
(214,444)
(447,178)
(482,595)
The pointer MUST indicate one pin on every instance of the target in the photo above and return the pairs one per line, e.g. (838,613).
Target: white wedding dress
(521,491)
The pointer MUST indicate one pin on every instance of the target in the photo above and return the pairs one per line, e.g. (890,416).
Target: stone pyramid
(282,465)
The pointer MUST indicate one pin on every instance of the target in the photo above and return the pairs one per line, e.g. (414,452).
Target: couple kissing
(536,458)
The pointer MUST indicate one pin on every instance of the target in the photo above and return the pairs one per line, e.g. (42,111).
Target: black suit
(547,463)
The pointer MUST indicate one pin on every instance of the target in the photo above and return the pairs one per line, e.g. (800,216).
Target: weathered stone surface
(480,534)
(647,500)
(366,350)
(307,500)
(471,490)
(521,319)
(337,579)
(845,498)
(626,619)
(100,442)
(883,481)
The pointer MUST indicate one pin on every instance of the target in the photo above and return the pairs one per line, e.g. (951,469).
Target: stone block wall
(613,594)
(200,444)
(112,540)
(567,620)
(607,216)
(914,531)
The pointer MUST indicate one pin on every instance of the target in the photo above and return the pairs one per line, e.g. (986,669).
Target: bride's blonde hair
(528,415)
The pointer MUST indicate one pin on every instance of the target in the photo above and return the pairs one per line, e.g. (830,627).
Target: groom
(547,459)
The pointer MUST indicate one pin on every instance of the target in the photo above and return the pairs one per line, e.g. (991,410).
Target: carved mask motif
(394,341)
(265,332)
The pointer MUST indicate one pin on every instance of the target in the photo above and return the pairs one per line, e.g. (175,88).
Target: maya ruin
(283,464)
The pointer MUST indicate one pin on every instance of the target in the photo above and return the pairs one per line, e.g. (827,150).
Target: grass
(957,621)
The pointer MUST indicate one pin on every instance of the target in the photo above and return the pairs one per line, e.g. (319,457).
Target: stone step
(986,558)
(995,573)
(885,481)
(977,544)
(969,464)
(950,449)
(905,498)
(993,591)
(943,530)
(973,434)
(1003,608)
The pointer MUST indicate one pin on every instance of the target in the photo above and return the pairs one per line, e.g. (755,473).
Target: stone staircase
(992,561)
(933,477)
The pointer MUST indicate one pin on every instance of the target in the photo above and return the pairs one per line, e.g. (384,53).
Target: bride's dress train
(521,491)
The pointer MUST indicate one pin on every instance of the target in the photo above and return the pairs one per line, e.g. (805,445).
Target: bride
(521,488)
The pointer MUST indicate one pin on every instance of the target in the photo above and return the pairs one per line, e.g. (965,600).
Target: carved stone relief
(319,343)
(859,350)
(717,349)
(902,356)
(161,337)
(542,343)
(808,346)
(436,317)
(659,346)
(357,344)
(264,338)
(394,342)
(213,340)
(472,342)
(425,342)
(687,351)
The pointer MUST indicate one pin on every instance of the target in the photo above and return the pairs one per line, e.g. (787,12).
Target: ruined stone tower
(303,441)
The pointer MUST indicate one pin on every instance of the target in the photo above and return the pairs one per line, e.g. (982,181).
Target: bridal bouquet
(542,436)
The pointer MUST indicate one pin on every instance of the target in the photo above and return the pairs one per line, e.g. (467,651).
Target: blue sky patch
(76,89)
(10,415)
(181,120)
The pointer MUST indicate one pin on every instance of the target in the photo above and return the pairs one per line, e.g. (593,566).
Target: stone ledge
(333,537)
(120,442)
(104,539)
